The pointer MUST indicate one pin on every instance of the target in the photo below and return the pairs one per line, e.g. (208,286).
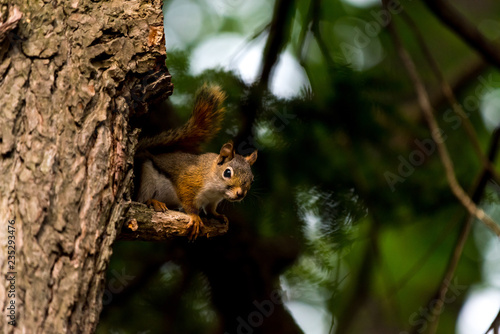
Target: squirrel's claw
(157,205)
(194,227)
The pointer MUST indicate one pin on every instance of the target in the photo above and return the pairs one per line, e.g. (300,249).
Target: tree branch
(469,72)
(476,196)
(425,105)
(495,325)
(279,34)
(462,238)
(466,30)
(315,21)
(143,223)
(468,202)
(450,96)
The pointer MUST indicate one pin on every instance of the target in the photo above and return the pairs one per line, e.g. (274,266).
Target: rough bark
(71,74)
(142,223)
(10,23)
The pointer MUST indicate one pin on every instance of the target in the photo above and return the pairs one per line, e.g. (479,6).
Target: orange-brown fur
(202,126)
(189,180)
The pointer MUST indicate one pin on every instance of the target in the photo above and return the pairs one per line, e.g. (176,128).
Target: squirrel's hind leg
(157,205)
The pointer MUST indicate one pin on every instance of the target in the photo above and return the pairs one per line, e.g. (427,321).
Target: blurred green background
(350,219)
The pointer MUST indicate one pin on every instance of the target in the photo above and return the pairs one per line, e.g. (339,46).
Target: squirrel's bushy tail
(202,126)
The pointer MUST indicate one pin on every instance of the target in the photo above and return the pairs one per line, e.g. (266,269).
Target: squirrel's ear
(251,158)
(226,153)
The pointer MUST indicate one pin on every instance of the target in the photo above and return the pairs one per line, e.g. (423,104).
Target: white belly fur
(208,197)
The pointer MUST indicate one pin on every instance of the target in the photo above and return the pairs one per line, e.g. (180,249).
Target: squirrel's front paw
(194,226)
(157,205)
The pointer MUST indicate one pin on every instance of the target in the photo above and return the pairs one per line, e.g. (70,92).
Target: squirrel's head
(235,172)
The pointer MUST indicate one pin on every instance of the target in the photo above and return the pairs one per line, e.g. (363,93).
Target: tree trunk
(72,73)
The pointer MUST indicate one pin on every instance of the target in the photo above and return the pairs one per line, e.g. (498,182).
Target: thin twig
(450,96)
(431,250)
(437,306)
(469,72)
(495,325)
(457,190)
(464,234)
(311,25)
(316,16)
(466,30)
(476,196)
(425,105)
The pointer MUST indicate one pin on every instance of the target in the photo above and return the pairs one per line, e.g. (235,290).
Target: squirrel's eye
(228,173)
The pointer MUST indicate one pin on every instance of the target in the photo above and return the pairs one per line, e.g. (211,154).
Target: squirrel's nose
(239,193)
